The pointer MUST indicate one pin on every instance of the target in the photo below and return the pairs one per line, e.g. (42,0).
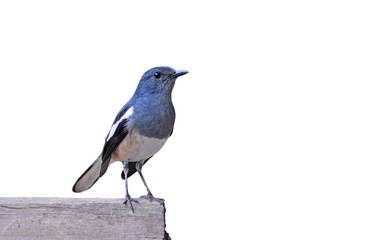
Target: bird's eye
(157,75)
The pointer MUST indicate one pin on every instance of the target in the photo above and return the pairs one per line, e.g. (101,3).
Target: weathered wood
(80,218)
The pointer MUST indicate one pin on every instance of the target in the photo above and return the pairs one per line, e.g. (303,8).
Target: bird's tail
(89,177)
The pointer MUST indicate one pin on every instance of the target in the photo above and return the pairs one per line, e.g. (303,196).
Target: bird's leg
(128,199)
(149,195)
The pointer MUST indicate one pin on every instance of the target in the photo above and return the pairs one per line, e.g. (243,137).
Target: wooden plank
(80,218)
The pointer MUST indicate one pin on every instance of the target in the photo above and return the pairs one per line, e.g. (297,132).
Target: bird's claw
(151,198)
(129,200)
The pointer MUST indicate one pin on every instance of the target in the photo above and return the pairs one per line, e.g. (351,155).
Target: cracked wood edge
(80,218)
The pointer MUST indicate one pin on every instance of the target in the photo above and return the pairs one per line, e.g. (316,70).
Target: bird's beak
(179,73)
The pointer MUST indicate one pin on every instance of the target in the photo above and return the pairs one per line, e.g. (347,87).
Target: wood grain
(80,218)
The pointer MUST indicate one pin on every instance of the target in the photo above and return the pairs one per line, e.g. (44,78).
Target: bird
(139,131)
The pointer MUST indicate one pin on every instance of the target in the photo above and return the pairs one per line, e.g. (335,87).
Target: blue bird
(139,130)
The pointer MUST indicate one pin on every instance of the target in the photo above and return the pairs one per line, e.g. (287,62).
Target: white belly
(135,148)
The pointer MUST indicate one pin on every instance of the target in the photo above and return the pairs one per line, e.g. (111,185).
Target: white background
(274,136)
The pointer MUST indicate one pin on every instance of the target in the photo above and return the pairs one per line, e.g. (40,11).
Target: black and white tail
(89,177)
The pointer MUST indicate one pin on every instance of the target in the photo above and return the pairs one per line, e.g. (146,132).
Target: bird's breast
(136,147)
(155,119)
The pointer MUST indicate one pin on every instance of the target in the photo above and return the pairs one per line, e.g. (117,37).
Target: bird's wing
(118,132)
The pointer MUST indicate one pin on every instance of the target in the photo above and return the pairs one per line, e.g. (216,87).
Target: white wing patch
(114,126)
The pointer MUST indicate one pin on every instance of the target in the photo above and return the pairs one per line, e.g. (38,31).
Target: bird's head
(159,80)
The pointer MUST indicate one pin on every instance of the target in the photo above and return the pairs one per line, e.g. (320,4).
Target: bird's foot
(150,197)
(129,200)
